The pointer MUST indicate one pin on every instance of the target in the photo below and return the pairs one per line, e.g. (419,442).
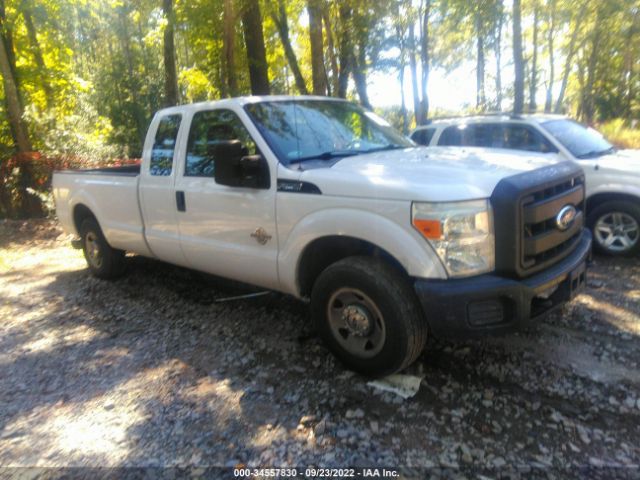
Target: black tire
(603,215)
(103,260)
(401,319)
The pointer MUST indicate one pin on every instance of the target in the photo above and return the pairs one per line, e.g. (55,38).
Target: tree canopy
(82,78)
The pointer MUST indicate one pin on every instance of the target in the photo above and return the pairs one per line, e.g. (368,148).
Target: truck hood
(424,174)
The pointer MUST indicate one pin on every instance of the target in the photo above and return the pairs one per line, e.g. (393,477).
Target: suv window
(208,128)
(521,137)
(496,135)
(423,136)
(451,136)
(479,135)
(164,145)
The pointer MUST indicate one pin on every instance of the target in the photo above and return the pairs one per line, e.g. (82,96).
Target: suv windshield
(582,142)
(299,130)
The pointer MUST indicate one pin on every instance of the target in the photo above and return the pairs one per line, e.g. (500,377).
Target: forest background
(82,78)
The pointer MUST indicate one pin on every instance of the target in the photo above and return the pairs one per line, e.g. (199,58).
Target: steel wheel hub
(617,231)
(356,322)
(94,255)
(357,319)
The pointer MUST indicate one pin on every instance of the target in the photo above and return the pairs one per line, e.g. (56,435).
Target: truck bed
(111,194)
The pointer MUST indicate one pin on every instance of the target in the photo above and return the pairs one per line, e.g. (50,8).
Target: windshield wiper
(326,155)
(344,153)
(391,146)
(597,153)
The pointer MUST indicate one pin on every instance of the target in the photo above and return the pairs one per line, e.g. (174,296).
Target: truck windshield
(300,130)
(582,142)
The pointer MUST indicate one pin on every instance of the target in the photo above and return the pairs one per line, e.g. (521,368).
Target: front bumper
(490,304)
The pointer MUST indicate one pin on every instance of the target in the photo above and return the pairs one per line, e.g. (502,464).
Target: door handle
(180,201)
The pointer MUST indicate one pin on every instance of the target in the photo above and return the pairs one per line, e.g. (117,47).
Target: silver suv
(612,176)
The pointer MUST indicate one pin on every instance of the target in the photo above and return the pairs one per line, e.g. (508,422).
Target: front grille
(525,208)
(542,241)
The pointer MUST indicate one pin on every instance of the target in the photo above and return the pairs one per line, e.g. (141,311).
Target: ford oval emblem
(565,217)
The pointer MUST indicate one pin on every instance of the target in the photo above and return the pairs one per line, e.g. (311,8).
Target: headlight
(460,232)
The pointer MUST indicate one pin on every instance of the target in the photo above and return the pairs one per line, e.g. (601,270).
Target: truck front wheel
(368,314)
(616,228)
(104,262)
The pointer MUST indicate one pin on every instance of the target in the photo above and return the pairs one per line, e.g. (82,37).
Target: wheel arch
(602,197)
(326,250)
(80,213)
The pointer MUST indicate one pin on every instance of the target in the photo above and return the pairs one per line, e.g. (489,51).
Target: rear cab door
(157,185)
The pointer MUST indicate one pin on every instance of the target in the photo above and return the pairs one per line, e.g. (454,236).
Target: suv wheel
(616,228)
(368,315)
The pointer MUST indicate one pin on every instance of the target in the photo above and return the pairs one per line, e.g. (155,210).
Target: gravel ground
(150,370)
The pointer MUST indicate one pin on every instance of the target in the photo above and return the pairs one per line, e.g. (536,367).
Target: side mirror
(236,169)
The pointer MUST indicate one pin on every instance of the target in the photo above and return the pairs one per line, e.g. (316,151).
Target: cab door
(156,188)
(225,230)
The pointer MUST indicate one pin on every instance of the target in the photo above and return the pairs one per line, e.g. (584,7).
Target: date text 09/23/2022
(311,472)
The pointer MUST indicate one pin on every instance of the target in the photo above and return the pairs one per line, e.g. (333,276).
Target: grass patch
(621,133)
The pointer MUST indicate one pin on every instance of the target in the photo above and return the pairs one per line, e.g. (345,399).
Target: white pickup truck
(316,198)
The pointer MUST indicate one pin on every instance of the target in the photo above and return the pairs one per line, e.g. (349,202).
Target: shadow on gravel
(164,320)
(183,379)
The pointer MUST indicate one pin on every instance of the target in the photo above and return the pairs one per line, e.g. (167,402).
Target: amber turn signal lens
(429,228)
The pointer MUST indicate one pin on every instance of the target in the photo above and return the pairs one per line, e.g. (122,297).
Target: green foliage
(621,133)
(90,73)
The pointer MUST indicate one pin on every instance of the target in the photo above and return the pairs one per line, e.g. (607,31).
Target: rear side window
(451,136)
(209,128)
(424,136)
(164,145)
(520,137)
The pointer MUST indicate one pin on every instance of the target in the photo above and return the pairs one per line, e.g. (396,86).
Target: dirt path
(151,371)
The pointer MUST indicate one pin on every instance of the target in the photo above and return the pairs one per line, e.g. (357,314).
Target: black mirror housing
(234,168)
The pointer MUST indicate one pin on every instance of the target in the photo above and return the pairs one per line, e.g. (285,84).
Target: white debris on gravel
(405,386)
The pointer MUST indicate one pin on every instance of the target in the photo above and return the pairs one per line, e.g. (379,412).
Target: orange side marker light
(429,228)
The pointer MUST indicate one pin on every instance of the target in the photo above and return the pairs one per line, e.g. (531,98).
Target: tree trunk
(318,75)
(345,50)
(29,204)
(533,85)
(480,94)
(360,76)
(37,55)
(12,99)
(333,61)
(498,53)
(630,62)
(568,62)
(425,63)
(7,37)
(550,38)
(256,53)
(518,64)
(280,19)
(401,68)
(589,104)
(229,50)
(170,75)
(417,106)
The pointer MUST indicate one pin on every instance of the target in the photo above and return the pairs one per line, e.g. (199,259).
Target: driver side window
(208,129)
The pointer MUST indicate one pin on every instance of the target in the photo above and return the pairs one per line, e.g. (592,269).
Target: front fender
(614,189)
(404,244)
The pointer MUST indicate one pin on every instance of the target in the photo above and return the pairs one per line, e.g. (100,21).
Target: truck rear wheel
(104,262)
(368,315)
(616,228)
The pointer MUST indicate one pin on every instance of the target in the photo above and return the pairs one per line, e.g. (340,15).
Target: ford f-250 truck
(319,199)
